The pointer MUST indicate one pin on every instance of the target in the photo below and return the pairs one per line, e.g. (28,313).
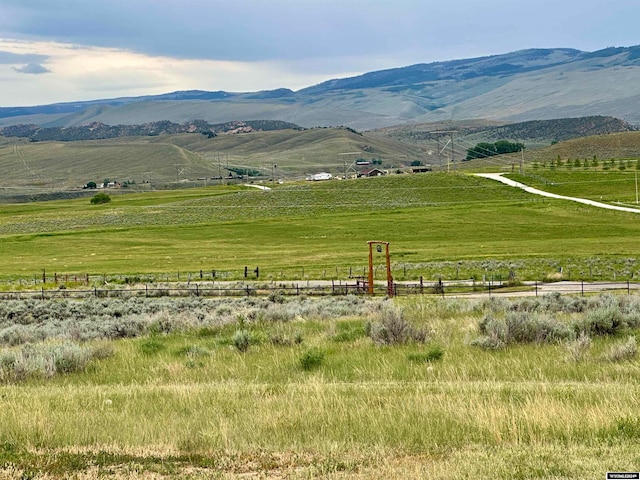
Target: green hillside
(612,146)
(438,225)
(452,139)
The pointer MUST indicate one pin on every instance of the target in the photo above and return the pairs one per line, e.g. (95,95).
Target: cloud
(295,30)
(32,69)
(153,46)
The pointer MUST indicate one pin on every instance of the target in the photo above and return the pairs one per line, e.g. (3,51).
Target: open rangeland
(438,225)
(333,387)
(319,388)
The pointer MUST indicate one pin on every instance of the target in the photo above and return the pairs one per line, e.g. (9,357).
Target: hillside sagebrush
(623,351)
(578,349)
(241,340)
(392,328)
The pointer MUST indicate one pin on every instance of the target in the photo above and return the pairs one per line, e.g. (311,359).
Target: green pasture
(437,224)
(613,186)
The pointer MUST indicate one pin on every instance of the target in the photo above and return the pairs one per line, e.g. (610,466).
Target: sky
(71,50)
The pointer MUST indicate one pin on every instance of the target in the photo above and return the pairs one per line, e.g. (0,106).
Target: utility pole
(452,151)
(450,157)
(345,162)
(636,188)
(522,161)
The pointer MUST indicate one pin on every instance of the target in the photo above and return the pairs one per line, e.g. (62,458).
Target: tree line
(486,149)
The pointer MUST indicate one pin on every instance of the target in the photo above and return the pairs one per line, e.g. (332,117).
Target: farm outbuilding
(374,172)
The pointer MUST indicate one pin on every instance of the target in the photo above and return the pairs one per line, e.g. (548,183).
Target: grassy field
(336,387)
(316,392)
(158,160)
(438,225)
(612,186)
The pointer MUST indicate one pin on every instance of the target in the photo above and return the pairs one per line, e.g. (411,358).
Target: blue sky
(66,50)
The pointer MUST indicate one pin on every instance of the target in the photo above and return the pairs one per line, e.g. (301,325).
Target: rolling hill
(43,169)
(31,169)
(534,84)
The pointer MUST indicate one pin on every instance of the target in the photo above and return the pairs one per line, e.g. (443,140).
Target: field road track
(449,289)
(498,177)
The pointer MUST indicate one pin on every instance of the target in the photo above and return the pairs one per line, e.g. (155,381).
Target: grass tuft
(311,359)
(433,353)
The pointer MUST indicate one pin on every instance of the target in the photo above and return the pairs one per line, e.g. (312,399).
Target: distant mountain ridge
(533,84)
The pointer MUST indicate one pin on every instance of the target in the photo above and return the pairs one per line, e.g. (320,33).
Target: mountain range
(534,84)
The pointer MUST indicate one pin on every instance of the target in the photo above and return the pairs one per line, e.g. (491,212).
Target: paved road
(498,177)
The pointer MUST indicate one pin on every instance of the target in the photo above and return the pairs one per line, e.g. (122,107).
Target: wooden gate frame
(389,277)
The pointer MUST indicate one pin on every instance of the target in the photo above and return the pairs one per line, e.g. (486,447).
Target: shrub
(241,340)
(536,328)
(100,198)
(311,359)
(284,340)
(46,360)
(493,333)
(578,349)
(394,329)
(623,351)
(520,327)
(605,320)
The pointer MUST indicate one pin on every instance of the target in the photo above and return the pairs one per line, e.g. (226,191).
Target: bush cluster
(623,351)
(45,360)
(392,328)
(537,321)
(29,321)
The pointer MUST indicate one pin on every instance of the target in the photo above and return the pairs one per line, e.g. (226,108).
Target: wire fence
(317,288)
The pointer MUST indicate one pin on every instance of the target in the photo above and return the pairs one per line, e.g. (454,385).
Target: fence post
(582,288)
(421,284)
(628,287)
(536,284)
(197,291)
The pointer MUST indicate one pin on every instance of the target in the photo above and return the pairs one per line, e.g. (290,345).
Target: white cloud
(85,73)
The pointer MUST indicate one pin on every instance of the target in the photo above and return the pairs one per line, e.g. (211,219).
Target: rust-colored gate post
(390,289)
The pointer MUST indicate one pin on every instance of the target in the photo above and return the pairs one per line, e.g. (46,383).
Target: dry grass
(189,405)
